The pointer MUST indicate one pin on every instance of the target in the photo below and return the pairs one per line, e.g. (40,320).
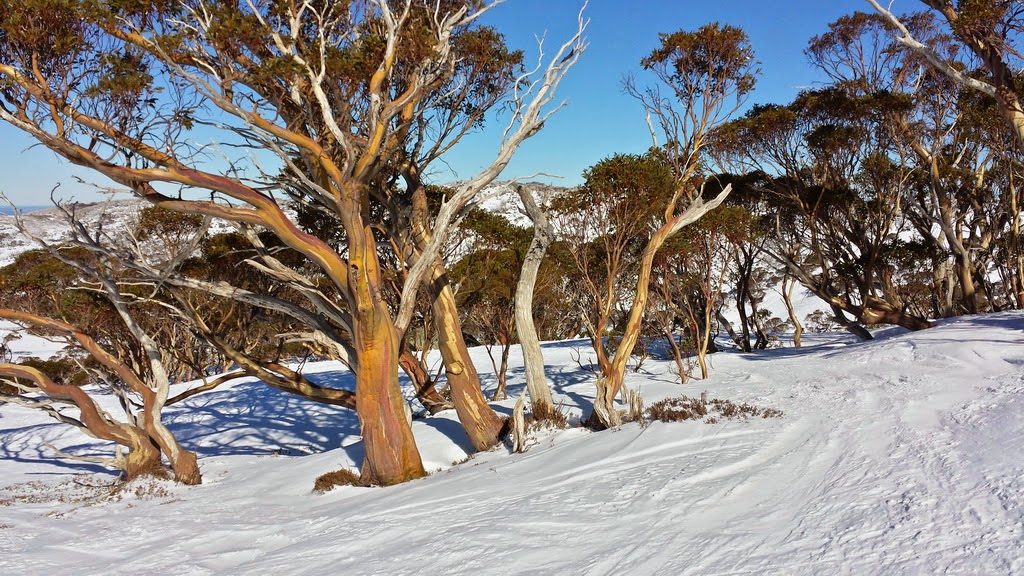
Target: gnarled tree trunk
(143,455)
(391,453)
(533,359)
(480,421)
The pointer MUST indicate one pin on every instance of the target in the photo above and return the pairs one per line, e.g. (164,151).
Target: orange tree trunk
(478,419)
(425,391)
(482,424)
(391,453)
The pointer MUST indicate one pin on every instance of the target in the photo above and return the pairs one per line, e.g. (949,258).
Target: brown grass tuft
(343,477)
(713,411)
(545,416)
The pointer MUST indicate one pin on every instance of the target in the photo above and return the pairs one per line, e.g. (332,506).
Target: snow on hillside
(897,456)
(50,224)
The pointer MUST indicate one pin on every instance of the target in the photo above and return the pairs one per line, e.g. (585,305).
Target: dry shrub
(545,416)
(61,369)
(711,411)
(343,477)
(152,485)
(85,490)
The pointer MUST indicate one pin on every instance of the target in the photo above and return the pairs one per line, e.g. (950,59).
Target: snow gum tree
(333,97)
(605,223)
(989,30)
(72,295)
(892,185)
(702,78)
(533,358)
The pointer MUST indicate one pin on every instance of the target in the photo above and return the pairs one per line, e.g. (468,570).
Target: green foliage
(40,283)
(61,369)
(155,222)
(627,193)
(487,275)
(704,238)
(50,34)
(714,59)
(981,18)
(496,230)
(632,184)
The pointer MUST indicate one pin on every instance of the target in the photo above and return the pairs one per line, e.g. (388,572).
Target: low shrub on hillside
(547,417)
(710,411)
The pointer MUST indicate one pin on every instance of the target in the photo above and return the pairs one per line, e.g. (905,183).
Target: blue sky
(599,120)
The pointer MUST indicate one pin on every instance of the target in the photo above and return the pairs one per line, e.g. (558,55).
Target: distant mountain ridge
(47,222)
(7,210)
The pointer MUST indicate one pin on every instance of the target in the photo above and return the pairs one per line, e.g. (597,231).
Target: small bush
(711,411)
(545,416)
(343,477)
(62,370)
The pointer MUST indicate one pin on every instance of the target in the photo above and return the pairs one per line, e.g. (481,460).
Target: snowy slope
(50,224)
(898,456)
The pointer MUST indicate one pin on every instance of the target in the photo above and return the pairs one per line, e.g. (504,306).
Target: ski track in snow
(904,455)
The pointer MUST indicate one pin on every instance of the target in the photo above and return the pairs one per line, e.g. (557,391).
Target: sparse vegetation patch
(343,477)
(710,411)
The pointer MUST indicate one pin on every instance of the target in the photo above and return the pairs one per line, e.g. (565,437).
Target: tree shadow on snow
(28,445)
(252,418)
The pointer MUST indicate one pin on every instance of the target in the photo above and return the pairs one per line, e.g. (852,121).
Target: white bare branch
(531,116)
(907,39)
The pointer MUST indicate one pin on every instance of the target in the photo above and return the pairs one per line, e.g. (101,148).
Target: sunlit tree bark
(336,95)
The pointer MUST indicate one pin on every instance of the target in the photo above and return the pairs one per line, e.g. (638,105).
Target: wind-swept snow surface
(900,456)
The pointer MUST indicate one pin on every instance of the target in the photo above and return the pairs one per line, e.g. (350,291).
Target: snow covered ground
(904,455)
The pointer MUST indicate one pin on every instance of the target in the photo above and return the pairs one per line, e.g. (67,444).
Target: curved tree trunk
(851,326)
(183,462)
(603,404)
(745,270)
(762,338)
(878,311)
(153,433)
(533,358)
(704,345)
(873,311)
(391,453)
(422,382)
(739,340)
(480,421)
(787,297)
(1016,252)
(143,455)
(677,355)
(154,392)
(501,369)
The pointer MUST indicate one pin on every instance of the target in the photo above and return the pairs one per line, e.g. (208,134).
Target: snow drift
(898,456)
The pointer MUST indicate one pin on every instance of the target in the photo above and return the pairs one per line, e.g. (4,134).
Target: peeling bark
(478,418)
(533,357)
